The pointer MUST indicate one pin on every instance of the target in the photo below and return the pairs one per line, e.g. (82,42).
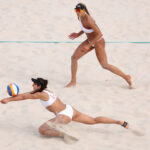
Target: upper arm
(28,95)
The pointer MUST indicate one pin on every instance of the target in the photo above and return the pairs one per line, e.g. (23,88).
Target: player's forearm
(15,98)
(80,33)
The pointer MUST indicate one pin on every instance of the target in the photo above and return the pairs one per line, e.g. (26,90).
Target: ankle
(73,81)
(119,122)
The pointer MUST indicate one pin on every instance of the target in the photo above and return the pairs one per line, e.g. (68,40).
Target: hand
(72,36)
(4,101)
(85,48)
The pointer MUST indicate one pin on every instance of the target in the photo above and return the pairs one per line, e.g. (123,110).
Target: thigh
(100,51)
(83,118)
(79,53)
(50,124)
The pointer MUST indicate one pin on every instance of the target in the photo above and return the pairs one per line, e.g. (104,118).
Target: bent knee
(41,131)
(74,58)
(105,66)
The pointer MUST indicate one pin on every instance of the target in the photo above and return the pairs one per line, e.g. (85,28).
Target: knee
(74,58)
(41,131)
(93,121)
(105,65)
(96,120)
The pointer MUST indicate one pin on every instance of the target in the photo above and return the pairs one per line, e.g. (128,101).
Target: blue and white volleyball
(13,89)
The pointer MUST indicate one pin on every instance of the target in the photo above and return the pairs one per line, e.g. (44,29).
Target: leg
(74,65)
(49,129)
(101,56)
(83,118)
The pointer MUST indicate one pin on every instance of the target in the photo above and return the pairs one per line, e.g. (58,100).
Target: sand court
(98,92)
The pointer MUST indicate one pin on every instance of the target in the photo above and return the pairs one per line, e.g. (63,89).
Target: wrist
(6,100)
(78,34)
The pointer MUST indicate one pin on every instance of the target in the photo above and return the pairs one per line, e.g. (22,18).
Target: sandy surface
(98,91)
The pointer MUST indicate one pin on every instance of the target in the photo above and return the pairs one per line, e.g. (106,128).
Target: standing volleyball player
(95,41)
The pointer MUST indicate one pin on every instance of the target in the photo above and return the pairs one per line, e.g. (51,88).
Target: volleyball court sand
(98,92)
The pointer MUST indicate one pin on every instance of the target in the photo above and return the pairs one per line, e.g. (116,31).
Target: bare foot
(128,79)
(124,124)
(71,84)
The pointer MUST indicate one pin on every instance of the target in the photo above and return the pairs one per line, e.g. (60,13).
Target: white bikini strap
(46,92)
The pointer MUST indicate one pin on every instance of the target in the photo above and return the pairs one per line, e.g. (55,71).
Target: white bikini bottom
(68,111)
(97,41)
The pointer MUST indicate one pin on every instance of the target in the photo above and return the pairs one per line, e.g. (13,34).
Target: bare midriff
(91,36)
(56,107)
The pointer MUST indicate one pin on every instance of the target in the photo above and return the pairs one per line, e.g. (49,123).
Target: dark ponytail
(40,82)
(84,6)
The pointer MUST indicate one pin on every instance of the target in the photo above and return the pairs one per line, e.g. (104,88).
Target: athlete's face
(80,12)
(35,86)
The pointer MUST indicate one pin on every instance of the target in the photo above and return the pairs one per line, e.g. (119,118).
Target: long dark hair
(84,6)
(40,82)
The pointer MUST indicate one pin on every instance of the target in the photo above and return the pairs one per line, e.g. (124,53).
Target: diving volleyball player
(64,113)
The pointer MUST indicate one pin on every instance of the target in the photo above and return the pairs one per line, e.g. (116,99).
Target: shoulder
(49,91)
(40,95)
(90,20)
(29,95)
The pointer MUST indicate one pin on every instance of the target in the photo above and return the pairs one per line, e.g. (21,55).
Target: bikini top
(84,29)
(52,99)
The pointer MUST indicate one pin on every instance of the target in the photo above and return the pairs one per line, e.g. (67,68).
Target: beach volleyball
(13,89)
